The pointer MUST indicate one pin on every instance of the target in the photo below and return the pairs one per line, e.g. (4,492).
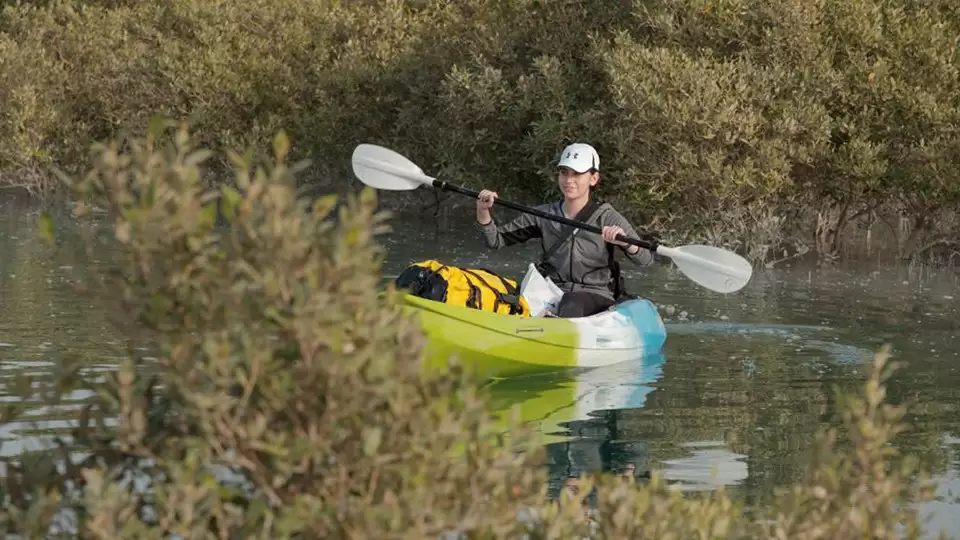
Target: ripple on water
(709,465)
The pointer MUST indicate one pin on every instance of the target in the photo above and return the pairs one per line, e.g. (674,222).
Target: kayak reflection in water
(582,265)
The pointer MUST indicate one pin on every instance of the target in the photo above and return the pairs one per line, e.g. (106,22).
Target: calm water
(743,385)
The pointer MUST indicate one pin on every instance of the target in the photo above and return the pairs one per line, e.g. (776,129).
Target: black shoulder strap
(617,283)
(584,215)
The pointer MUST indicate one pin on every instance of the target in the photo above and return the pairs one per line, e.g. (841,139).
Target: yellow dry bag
(475,288)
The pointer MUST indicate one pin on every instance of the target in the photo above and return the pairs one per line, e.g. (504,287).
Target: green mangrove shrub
(289,400)
(770,127)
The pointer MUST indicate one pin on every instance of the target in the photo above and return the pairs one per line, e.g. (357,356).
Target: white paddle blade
(717,269)
(382,168)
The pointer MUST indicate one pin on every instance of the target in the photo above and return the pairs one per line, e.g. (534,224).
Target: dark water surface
(743,385)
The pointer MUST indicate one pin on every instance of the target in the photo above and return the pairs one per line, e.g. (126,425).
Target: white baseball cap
(580,157)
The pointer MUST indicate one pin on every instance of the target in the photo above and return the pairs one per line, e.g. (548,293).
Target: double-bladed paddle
(716,269)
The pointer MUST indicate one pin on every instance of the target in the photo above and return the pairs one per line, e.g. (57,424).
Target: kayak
(499,345)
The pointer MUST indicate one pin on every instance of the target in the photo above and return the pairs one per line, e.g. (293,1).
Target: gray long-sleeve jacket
(582,262)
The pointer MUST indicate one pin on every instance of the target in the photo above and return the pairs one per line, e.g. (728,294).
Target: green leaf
(45,227)
(281,145)
(208,216)
(231,201)
(198,157)
(157,126)
(323,205)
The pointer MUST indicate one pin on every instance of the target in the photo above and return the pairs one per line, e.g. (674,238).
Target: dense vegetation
(774,126)
(290,400)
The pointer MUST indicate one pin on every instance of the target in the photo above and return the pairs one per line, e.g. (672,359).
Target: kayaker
(583,266)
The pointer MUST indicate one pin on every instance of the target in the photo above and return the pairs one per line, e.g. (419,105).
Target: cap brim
(574,166)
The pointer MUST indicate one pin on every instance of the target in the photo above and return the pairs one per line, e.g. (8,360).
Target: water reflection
(577,413)
(557,402)
(579,416)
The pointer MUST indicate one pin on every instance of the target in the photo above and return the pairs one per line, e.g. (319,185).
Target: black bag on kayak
(476,288)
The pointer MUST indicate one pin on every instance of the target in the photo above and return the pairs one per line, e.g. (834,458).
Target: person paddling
(582,265)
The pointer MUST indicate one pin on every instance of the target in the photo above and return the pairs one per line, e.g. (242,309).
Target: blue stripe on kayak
(646,321)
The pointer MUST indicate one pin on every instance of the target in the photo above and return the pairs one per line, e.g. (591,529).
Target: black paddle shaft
(441,184)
